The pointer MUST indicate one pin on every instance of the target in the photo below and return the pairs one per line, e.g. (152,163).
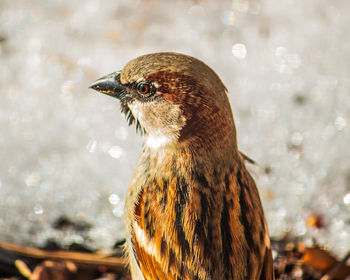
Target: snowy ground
(66,150)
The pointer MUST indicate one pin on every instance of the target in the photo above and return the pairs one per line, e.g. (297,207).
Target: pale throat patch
(162,122)
(137,109)
(157,141)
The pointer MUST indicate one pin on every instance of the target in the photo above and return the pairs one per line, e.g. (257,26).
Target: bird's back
(191,225)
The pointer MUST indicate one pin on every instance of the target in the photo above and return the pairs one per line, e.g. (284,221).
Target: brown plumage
(192,210)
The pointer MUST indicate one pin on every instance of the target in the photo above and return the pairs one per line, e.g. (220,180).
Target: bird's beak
(109,84)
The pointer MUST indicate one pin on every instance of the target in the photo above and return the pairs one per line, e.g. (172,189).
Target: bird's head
(172,98)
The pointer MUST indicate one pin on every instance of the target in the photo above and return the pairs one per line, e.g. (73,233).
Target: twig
(115,263)
(332,273)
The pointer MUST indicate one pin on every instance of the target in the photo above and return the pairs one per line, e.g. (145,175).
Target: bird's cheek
(136,109)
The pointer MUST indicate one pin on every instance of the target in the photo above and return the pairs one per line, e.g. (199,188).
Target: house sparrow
(192,210)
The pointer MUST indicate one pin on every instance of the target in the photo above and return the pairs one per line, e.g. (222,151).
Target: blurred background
(67,154)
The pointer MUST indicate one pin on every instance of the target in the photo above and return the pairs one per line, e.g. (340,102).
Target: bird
(192,210)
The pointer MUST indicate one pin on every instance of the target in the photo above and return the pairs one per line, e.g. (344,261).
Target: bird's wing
(145,240)
(267,272)
(195,229)
(165,233)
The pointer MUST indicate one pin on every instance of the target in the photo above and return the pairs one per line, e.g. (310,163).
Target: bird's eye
(144,88)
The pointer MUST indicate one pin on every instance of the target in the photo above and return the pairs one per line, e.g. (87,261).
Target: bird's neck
(209,131)
(206,141)
(167,158)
